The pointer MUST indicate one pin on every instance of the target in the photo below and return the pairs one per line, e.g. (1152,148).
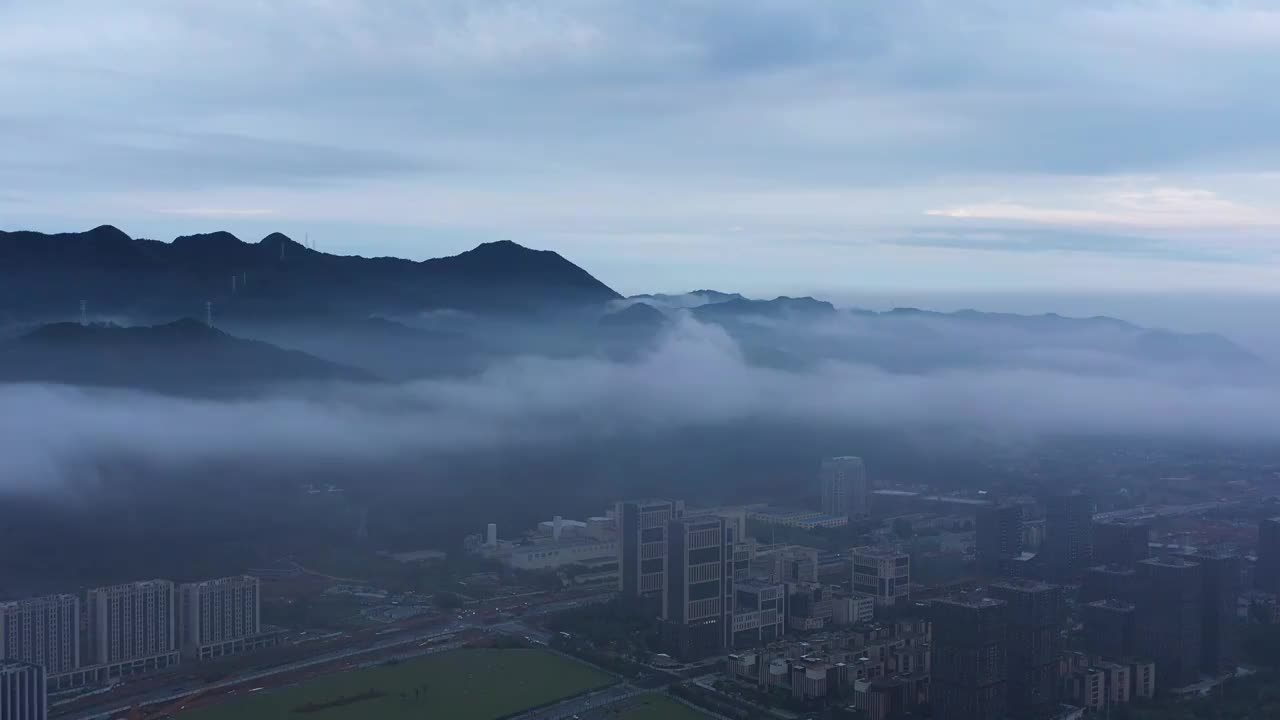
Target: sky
(858,147)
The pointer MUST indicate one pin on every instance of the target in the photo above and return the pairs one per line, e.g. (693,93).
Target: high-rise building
(845,490)
(1035,614)
(1068,541)
(1219,593)
(969,663)
(883,573)
(218,617)
(1110,628)
(1168,624)
(1121,542)
(699,586)
(133,623)
(642,548)
(998,537)
(1266,575)
(23,691)
(44,631)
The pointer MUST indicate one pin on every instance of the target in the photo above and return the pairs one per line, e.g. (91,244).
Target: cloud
(58,437)
(552,121)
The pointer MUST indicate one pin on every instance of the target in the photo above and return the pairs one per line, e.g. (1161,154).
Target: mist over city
(525,360)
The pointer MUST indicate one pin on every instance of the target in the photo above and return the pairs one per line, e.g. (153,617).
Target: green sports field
(460,685)
(659,707)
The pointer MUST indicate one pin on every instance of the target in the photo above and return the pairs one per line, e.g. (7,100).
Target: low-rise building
(790,517)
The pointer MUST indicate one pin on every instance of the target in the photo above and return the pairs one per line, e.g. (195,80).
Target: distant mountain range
(398,319)
(182,357)
(48,275)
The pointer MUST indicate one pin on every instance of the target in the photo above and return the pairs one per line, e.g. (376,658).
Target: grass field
(659,707)
(461,685)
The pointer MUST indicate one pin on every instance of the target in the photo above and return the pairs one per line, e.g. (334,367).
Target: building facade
(759,612)
(219,617)
(23,694)
(1068,542)
(134,624)
(1120,542)
(998,537)
(844,487)
(1219,595)
(1110,628)
(969,664)
(882,573)
(699,587)
(1168,621)
(1266,576)
(1035,613)
(44,631)
(642,548)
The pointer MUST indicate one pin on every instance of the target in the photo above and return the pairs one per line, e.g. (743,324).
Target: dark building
(1219,593)
(1266,575)
(1168,627)
(1035,613)
(998,538)
(699,587)
(642,541)
(1110,628)
(1121,542)
(1068,541)
(969,662)
(1109,581)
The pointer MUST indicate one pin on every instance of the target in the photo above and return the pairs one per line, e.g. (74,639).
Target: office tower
(217,616)
(1068,536)
(1035,613)
(1109,581)
(845,490)
(786,564)
(1120,542)
(969,663)
(642,548)
(883,573)
(759,612)
(999,538)
(1169,618)
(699,586)
(44,631)
(1266,575)
(1219,592)
(1110,628)
(23,691)
(132,622)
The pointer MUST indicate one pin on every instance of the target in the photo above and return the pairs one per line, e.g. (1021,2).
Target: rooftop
(1025,584)
(973,601)
(878,551)
(1113,604)
(1173,562)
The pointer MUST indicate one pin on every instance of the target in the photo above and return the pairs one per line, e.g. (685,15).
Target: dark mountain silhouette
(780,307)
(637,316)
(48,275)
(184,357)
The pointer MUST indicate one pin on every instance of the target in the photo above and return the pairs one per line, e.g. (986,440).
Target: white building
(883,573)
(803,519)
(133,625)
(23,695)
(845,491)
(549,555)
(853,609)
(219,617)
(44,631)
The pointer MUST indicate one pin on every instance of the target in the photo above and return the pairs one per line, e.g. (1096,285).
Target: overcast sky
(789,146)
